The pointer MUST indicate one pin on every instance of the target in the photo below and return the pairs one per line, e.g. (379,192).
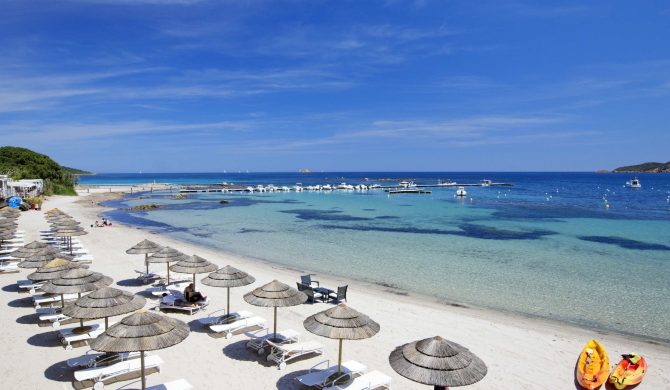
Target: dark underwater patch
(245,230)
(387,217)
(626,243)
(135,219)
(467,230)
(323,215)
(369,209)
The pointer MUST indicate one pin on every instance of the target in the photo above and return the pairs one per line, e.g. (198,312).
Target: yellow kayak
(593,366)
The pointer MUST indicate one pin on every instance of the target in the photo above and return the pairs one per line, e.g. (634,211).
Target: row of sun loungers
(67,337)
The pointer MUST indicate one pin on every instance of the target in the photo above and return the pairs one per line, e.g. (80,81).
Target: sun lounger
(9,268)
(83,259)
(103,373)
(217,317)
(67,337)
(171,288)
(96,359)
(179,384)
(318,377)
(282,353)
(55,318)
(181,305)
(147,277)
(370,381)
(43,299)
(29,286)
(240,324)
(258,340)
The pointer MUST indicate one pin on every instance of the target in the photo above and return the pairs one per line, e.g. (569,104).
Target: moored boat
(461,192)
(634,183)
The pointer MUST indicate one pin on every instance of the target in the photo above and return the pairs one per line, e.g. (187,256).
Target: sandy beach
(520,352)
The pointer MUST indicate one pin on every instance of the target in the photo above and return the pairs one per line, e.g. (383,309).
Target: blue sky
(198,85)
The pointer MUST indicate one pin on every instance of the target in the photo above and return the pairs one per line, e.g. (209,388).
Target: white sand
(520,352)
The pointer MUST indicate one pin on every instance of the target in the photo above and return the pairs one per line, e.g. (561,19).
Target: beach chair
(67,337)
(282,353)
(307,281)
(311,294)
(96,359)
(29,286)
(55,318)
(9,268)
(179,384)
(100,374)
(259,340)
(219,317)
(240,324)
(159,289)
(83,259)
(340,295)
(180,304)
(318,375)
(43,299)
(147,277)
(370,381)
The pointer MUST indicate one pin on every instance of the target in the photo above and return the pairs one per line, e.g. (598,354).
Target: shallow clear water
(547,246)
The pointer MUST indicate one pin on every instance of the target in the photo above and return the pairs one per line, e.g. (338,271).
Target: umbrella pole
(106,323)
(228,301)
(339,359)
(144,381)
(146,262)
(62,301)
(168,274)
(275,330)
(81,320)
(194,289)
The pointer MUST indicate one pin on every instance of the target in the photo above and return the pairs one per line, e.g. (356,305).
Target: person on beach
(193,296)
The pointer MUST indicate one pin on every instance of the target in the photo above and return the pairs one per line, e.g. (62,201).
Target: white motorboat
(298,187)
(326,187)
(461,191)
(250,189)
(403,184)
(634,183)
(285,188)
(345,186)
(486,183)
(260,188)
(375,186)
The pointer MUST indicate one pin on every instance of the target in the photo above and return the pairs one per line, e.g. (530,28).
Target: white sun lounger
(184,306)
(317,377)
(96,359)
(179,384)
(9,268)
(147,277)
(67,337)
(41,299)
(282,353)
(29,286)
(370,381)
(217,318)
(258,339)
(83,259)
(240,324)
(158,291)
(55,318)
(103,373)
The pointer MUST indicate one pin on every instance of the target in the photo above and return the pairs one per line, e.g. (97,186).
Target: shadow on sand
(59,372)
(132,282)
(288,382)
(45,339)
(28,319)
(239,351)
(11,288)
(21,302)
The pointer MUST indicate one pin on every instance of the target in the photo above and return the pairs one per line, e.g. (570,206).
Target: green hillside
(651,167)
(22,163)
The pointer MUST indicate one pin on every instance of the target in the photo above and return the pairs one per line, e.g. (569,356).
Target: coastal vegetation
(21,163)
(648,167)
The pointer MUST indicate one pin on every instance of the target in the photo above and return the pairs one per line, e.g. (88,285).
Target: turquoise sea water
(547,246)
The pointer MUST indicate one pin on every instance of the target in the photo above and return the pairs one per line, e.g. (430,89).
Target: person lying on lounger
(171,300)
(193,296)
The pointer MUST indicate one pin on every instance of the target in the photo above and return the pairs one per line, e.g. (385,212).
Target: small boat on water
(249,189)
(629,372)
(345,186)
(634,183)
(461,192)
(326,187)
(593,366)
(297,187)
(486,183)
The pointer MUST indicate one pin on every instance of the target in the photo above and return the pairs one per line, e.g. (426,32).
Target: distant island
(22,163)
(649,167)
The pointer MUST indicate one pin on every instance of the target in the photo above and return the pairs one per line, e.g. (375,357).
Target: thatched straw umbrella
(104,303)
(141,331)
(43,256)
(29,249)
(193,265)
(53,269)
(167,255)
(145,247)
(342,323)
(228,277)
(78,280)
(275,294)
(437,362)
